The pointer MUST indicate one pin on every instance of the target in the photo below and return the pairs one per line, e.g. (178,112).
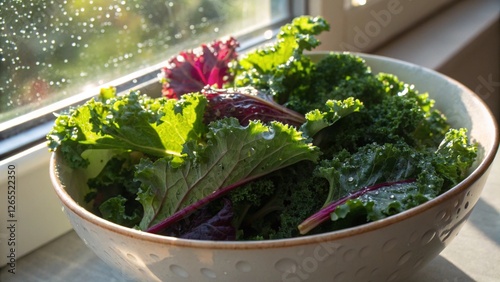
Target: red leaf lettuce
(192,70)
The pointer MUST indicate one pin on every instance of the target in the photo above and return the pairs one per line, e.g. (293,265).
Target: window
(54,53)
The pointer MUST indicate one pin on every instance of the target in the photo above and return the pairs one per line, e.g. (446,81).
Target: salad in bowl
(253,161)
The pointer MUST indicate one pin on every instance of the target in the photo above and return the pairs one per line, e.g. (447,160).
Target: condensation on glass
(53,49)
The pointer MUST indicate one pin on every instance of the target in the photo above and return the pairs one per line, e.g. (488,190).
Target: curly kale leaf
(389,178)
(454,156)
(419,123)
(338,76)
(393,111)
(317,120)
(113,191)
(134,122)
(115,210)
(381,180)
(282,68)
(273,206)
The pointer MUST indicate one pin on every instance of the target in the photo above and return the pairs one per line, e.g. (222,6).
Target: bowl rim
(479,171)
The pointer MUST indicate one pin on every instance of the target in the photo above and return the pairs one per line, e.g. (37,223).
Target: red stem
(187,210)
(324,214)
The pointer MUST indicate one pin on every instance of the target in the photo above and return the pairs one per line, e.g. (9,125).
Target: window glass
(53,49)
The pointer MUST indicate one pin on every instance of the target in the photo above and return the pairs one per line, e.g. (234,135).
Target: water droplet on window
(81,40)
(268,34)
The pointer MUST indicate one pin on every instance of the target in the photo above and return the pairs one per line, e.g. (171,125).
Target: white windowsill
(462,42)
(435,42)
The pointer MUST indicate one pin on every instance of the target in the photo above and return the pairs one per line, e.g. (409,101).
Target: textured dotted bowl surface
(386,250)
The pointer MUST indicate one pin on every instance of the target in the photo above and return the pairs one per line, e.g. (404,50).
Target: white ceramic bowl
(386,250)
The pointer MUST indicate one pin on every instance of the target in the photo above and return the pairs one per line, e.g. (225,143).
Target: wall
(477,67)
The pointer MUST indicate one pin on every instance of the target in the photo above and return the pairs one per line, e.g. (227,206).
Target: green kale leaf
(387,179)
(392,111)
(131,122)
(113,190)
(339,76)
(454,156)
(317,120)
(232,156)
(281,68)
(114,210)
